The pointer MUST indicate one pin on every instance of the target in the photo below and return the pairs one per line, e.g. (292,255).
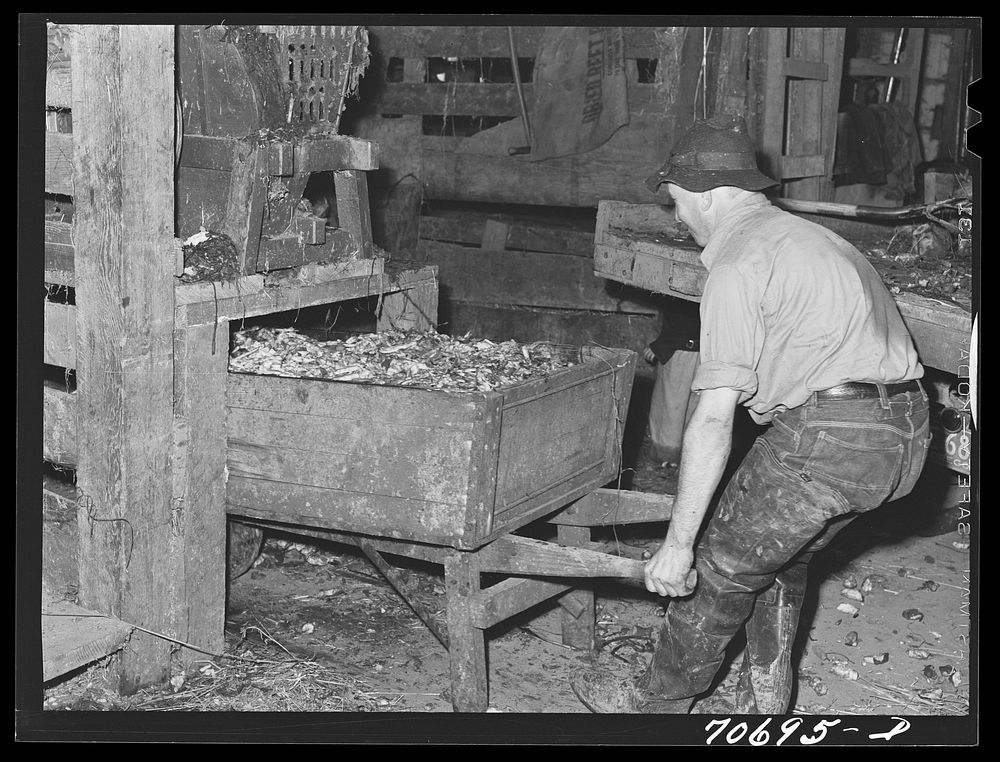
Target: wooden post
(577,630)
(198,508)
(467,643)
(353,208)
(731,92)
(123,118)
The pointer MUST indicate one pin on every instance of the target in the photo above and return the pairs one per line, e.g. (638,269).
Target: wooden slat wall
(478,167)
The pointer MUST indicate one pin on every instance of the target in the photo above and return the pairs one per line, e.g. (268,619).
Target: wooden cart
(448,477)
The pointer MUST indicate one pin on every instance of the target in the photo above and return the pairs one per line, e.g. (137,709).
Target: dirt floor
(314,627)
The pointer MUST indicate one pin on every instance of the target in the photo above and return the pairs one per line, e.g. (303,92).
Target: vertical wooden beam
(245,203)
(731,93)
(772,122)
(578,631)
(804,111)
(123,101)
(198,508)
(467,643)
(353,207)
(952,136)
(833,54)
(756,86)
(915,39)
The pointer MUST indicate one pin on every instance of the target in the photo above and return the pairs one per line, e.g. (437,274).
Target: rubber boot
(765,681)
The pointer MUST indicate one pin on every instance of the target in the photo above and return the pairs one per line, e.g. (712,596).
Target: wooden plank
(467,649)
(361,278)
(123,229)
(731,95)
(947,315)
(494,235)
(637,263)
(245,204)
(531,279)
(469,229)
(833,47)
(58,500)
(796,167)
(73,636)
(938,346)
(866,67)
(59,163)
(336,152)
(803,117)
(798,68)
(202,195)
(483,467)
(210,291)
(389,405)
(283,252)
(479,168)
(331,152)
(354,209)
(60,540)
(511,596)
(772,121)
(208,152)
(646,218)
(396,218)
(58,83)
(221,95)
(59,253)
(431,553)
(417,462)
(411,309)
(59,426)
(476,99)
(198,504)
(548,439)
(59,336)
(514,554)
(487,41)
(400,518)
(605,507)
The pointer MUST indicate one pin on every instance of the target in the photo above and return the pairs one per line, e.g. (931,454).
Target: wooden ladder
(798,92)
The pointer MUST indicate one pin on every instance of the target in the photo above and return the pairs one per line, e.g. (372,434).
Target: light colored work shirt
(790,308)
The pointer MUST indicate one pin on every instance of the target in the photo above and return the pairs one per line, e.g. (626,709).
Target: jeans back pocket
(864,472)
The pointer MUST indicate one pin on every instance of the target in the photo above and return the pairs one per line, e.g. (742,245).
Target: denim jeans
(804,479)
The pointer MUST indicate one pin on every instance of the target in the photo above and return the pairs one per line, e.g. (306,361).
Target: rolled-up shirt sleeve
(731,334)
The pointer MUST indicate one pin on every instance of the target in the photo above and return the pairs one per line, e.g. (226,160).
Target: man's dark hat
(710,154)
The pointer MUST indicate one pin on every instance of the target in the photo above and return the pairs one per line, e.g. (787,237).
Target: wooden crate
(447,468)
(639,244)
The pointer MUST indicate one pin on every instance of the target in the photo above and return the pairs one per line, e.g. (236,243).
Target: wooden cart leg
(578,619)
(467,643)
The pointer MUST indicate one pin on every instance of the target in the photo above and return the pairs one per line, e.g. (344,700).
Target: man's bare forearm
(707,443)
(706,448)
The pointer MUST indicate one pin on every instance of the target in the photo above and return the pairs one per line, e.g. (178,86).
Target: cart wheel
(245,542)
